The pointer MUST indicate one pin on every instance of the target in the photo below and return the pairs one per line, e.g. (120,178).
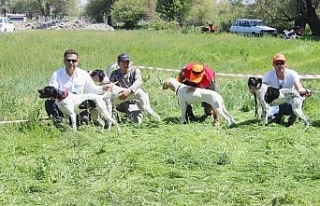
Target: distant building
(17,17)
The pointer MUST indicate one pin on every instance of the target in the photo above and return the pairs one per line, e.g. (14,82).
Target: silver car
(251,27)
(6,25)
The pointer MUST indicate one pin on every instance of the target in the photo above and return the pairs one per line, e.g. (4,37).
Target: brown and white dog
(186,97)
(269,96)
(69,103)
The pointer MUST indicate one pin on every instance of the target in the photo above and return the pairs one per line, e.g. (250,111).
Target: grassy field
(155,163)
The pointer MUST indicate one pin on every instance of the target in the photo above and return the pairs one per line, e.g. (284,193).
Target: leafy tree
(171,10)
(129,12)
(284,13)
(201,12)
(99,9)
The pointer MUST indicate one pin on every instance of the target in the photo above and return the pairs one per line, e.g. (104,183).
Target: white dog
(140,97)
(197,95)
(269,96)
(68,104)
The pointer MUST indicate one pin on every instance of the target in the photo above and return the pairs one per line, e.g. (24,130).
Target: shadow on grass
(315,123)
(176,120)
(248,122)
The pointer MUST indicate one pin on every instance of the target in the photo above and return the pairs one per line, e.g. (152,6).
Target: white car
(252,27)
(6,25)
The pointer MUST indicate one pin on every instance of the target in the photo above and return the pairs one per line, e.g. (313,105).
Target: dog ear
(250,80)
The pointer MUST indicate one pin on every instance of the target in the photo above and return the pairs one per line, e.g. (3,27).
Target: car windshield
(257,23)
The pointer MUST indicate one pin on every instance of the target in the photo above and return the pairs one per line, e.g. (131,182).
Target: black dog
(100,73)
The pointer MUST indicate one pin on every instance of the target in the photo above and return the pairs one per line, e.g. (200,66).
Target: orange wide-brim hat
(196,73)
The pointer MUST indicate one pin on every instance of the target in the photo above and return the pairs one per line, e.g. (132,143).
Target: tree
(307,15)
(129,12)
(284,13)
(174,10)
(99,9)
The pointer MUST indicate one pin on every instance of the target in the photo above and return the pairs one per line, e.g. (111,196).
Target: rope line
(302,76)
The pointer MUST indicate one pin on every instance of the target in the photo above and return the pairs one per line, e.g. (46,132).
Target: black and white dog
(69,103)
(269,96)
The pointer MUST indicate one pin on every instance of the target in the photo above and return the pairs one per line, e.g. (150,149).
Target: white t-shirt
(272,80)
(80,83)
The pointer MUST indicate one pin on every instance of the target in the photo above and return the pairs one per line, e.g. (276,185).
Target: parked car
(252,27)
(6,25)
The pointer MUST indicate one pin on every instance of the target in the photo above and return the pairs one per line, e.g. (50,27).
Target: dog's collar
(178,89)
(63,95)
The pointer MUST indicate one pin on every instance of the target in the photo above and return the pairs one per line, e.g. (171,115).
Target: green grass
(154,163)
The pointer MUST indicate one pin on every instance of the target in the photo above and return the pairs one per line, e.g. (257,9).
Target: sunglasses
(278,63)
(71,60)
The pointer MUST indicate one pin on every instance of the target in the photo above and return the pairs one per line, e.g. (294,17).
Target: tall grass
(154,163)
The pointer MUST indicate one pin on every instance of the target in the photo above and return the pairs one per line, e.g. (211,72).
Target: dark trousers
(53,110)
(286,109)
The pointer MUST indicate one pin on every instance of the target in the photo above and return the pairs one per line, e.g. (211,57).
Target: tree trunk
(312,19)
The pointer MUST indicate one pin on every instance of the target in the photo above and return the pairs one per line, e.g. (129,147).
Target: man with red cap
(201,76)
(282,77)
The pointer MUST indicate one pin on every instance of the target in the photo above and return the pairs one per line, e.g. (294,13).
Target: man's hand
(124,94)
(308,93)
(107,87)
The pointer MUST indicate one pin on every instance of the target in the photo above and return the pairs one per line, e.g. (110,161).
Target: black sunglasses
(71,60)
(279,63)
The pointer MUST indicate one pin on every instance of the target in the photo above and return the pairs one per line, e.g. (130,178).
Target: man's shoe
(85,119)
(289,124)
(189,114)
(191,118)
(278,119)
(216,121)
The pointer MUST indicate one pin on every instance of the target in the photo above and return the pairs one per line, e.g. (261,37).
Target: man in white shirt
(282,77)
(71,78)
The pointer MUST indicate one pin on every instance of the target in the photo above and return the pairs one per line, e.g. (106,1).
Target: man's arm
(213,85)
(181,76)
(138,81)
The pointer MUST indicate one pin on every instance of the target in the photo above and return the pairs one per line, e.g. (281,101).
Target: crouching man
(71,78)
(128,77)
(201,76)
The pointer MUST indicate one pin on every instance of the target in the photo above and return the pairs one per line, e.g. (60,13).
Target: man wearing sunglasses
(71,78)
(201,76)
(282,77)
